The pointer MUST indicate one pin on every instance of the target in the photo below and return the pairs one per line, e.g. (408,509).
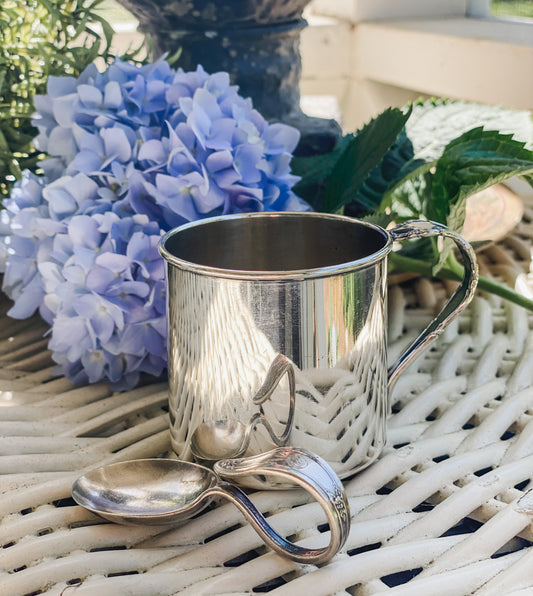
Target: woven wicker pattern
(445,510)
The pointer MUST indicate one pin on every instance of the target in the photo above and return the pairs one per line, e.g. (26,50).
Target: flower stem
(454,271)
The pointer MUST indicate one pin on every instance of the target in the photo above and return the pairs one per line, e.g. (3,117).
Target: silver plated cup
(243,289)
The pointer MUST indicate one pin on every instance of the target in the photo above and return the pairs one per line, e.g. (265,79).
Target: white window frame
(394,51)
(478,8)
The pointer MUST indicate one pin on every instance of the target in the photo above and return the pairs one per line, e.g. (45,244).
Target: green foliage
(331,181)
(424,164)
(474,161)
(362,155)
(315,171)
(39,38)
(419,163)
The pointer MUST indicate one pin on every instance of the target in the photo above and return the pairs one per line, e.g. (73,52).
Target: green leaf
(362,154)
(412,170)
(380,219)
(395,180)
(435,123)
(108,31)
(475,161)
(411,198)
(315,170)
(377,191)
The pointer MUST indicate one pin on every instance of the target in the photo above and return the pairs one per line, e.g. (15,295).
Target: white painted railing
(370,54)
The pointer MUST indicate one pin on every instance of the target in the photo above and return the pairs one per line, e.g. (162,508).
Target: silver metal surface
(221,439)
(167,492)
(243,289)
(461,297)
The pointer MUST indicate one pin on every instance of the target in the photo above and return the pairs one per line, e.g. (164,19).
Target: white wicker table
(445,511)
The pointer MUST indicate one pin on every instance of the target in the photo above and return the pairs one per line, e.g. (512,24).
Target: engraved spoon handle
(301,467)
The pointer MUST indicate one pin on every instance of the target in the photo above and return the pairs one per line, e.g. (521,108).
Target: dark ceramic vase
(255,41)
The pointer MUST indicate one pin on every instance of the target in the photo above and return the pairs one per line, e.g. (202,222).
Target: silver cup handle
(297,466)
(459,300)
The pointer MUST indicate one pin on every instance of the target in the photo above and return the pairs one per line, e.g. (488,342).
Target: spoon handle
(297,466)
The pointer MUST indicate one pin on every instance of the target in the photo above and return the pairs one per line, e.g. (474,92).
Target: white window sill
(508,32)
(473,59)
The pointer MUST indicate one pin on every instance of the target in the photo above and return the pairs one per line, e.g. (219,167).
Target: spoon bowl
(151,491)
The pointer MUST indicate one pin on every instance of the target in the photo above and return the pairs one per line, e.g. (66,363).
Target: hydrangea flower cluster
(134,151)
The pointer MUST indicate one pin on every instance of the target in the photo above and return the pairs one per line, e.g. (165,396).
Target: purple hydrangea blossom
(133,151)
(95,276)
(105,286)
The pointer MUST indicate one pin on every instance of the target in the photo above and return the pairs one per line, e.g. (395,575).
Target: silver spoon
(166,492)
(225,439)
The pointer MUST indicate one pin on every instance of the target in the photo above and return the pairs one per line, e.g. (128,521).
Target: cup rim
(293,274)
